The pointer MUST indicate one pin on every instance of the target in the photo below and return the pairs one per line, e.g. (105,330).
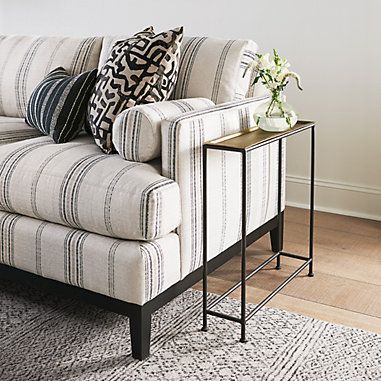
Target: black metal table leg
(243,249)
(279,206)
(312,206)
(205,243)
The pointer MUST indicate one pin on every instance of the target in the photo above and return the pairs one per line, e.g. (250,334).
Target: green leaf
(256,79)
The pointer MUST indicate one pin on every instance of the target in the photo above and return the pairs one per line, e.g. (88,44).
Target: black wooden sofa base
(140,316)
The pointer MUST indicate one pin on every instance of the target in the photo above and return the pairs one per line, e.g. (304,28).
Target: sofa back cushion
(209,67)
(26,60)
(213,68)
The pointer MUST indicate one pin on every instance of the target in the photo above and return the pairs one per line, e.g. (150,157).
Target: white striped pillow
(213,68)
(137,130)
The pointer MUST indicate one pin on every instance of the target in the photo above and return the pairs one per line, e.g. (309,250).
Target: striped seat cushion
(26,60)
(133,271)
(74,184)
(15,129)
(57,106)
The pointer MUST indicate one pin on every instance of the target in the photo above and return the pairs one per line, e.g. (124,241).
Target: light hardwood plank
(352,265)
(333,239)
(323,288)
(359,226)
(300,306)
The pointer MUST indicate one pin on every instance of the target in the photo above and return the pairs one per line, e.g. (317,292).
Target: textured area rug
(43,337)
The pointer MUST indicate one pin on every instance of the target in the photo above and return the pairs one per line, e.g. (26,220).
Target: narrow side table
(244,143)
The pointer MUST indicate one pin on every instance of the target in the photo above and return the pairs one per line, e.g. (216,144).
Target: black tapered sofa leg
(276,236)
(140,331)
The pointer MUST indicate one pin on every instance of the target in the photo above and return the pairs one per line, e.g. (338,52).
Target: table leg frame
(308,261)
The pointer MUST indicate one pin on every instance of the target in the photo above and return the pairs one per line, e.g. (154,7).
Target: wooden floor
(346,288)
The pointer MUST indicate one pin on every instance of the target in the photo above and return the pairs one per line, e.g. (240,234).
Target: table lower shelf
(215,302)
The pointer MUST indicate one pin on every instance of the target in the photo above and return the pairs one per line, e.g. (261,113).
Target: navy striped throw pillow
(57,106)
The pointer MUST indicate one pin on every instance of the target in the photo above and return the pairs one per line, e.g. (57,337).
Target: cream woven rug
(43,337)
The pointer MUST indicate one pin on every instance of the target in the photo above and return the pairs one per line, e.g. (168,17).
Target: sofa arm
(183,136)
(137,130)
(182,140)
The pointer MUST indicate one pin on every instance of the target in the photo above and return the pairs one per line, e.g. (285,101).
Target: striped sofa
(126,234)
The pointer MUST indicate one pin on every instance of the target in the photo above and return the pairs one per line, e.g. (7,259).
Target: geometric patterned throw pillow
(141,69)
(57,106)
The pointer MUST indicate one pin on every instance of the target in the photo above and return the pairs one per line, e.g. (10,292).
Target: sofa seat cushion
(15,129)
(132,271)
(76,185)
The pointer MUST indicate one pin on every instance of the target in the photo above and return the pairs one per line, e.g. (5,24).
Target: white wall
(334,45)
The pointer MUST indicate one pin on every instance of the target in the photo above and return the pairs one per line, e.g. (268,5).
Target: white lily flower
(264,61)
(285,63)
(272,71)
(284,71)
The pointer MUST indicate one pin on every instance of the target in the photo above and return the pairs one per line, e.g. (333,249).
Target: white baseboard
(335,197)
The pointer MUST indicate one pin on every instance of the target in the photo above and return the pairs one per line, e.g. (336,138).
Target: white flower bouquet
(274,74)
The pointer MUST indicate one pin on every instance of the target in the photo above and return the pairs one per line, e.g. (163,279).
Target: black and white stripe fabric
(137,131)
(140,70)
(57,107)
(182,139)
(15,129)
(26,60)
(133,271)
(74,184)
(111,225)
(221,79)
